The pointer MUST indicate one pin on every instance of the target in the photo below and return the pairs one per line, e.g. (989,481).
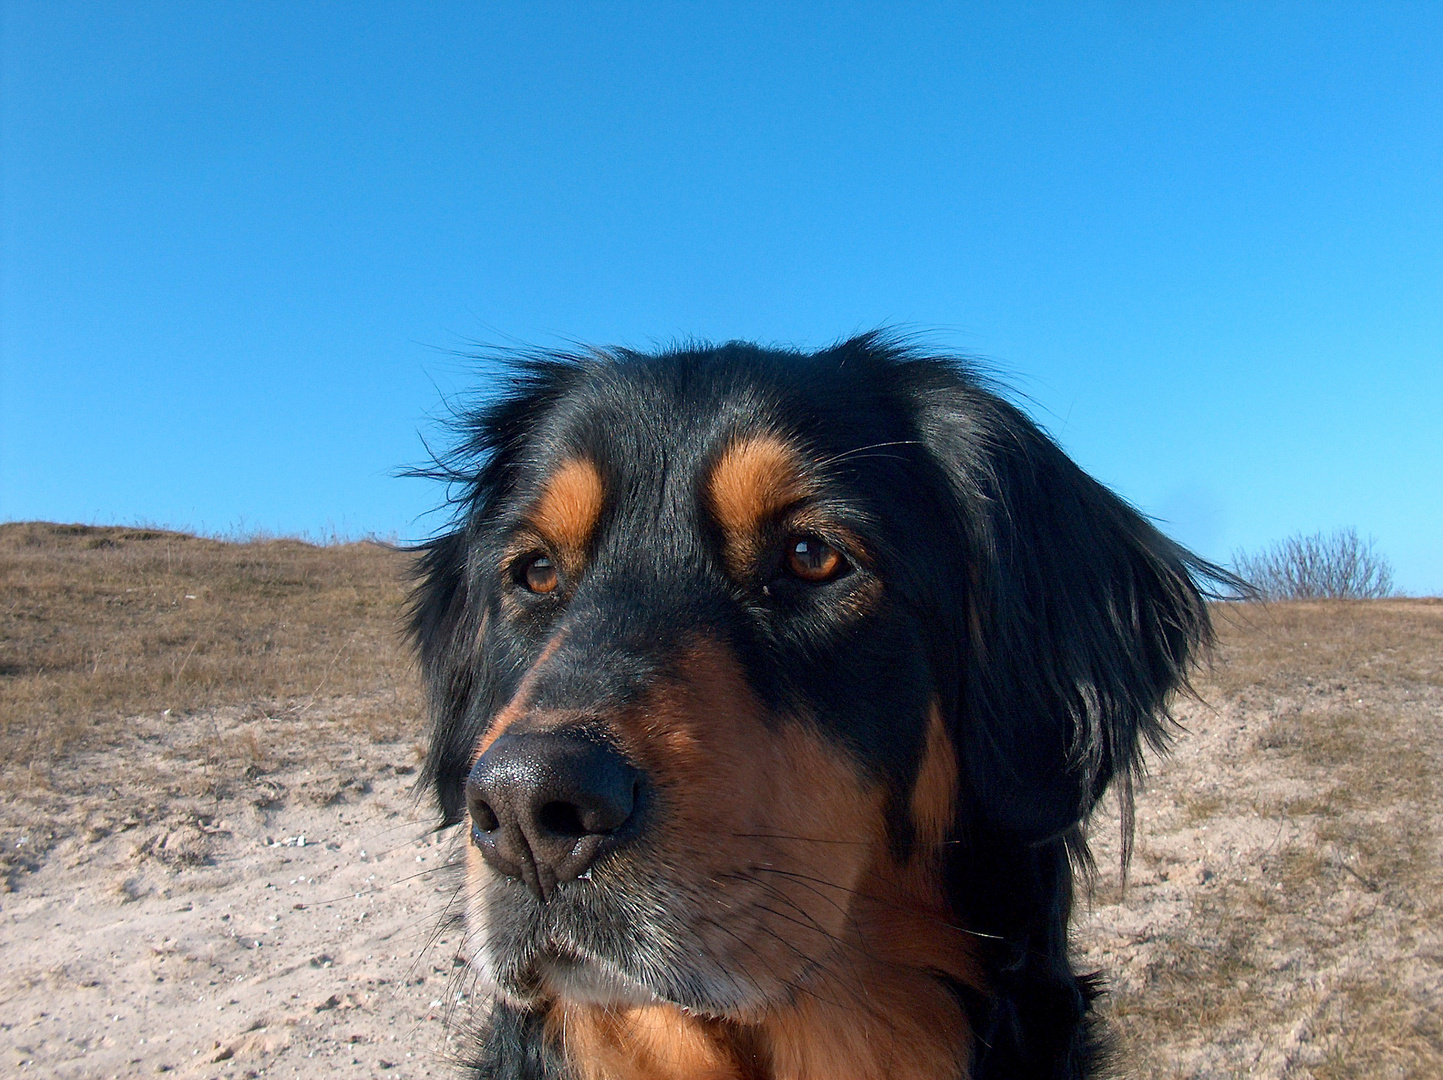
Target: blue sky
(243,243)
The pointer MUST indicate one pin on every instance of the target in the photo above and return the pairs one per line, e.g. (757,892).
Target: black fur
(514,1047)
(1049,618)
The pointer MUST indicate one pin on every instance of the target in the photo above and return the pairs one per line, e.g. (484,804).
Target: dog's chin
(557,975)
(587,981)
(580,950)
(562,977)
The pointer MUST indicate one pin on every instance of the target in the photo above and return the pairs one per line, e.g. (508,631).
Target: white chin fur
(592,982)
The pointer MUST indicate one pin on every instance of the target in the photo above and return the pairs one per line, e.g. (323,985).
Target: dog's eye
(813,560)
(540,575)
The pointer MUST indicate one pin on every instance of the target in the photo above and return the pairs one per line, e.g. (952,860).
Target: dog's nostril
(562,819)
(483,816)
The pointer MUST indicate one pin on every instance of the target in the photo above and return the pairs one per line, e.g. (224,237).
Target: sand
(273,923)
(178,904)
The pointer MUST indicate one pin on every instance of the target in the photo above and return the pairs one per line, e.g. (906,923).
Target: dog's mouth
(577,946)
(581,949)
(548,969)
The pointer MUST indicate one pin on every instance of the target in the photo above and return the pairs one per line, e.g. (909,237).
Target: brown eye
(540,575)
(813,560)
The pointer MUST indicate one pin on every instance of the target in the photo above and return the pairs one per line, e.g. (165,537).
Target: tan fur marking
(755,478)
(519,703)
(745,790)
(934,796)
(781,844)
(570,506)
(653,1042)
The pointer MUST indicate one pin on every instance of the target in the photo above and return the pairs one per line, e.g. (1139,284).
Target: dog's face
(733,651)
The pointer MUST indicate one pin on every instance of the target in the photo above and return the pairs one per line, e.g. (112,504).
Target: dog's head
(734,653)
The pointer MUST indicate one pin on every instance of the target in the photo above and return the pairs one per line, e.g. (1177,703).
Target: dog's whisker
(864,449)
(803,839)
(372,890)
(799,988)
(439,927)
(718,961)
(879,900)
(846,946)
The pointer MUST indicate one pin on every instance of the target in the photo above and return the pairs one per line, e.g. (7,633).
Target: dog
(775,690)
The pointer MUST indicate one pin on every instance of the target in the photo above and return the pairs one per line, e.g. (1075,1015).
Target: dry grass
(1267,649)
(98,625)
(1304,814)
(1285,916)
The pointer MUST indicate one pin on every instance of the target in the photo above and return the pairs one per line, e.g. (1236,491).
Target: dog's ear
(1081,618)
(442,628)
(453,598)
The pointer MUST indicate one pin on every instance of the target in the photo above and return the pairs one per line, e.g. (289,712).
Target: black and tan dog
(777,688)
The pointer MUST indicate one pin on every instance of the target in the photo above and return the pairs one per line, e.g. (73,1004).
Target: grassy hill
(1284,915)
(100,624)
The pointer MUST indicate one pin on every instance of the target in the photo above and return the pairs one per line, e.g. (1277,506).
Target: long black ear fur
(1079,620)
(1082,617)
(439,616)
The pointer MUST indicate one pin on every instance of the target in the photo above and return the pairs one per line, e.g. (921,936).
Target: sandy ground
(1284,912)
(163,921)
(234,895)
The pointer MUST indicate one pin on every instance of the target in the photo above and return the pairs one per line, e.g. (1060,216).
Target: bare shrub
(1333,566)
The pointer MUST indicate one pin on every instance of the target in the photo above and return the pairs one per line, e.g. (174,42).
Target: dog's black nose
(544,806)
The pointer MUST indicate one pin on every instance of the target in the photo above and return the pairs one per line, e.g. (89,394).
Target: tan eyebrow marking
(755,477)
(570,506)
